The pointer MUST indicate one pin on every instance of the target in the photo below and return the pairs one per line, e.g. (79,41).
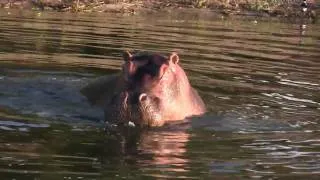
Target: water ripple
(262,80)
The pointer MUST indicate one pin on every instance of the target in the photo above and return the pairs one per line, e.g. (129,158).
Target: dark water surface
(260,81)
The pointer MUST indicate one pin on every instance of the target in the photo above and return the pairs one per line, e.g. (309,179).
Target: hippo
(150,90)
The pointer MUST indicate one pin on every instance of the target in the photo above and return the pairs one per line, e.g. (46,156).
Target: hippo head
(150,72)
(148,82)
(151,89)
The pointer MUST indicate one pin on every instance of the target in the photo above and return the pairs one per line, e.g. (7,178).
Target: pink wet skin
(171,85)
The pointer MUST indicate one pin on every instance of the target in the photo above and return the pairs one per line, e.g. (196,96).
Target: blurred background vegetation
(270,7)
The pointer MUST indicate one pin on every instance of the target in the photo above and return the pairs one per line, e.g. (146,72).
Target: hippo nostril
(143,97)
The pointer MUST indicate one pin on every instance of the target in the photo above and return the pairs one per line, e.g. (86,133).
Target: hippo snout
(142,109)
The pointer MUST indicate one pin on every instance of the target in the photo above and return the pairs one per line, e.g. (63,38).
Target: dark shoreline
(284,8)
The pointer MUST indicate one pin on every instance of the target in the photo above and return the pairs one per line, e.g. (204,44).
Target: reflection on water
(260,81)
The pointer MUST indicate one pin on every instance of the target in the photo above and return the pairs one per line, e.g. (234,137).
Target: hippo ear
(174,58)
(127,56)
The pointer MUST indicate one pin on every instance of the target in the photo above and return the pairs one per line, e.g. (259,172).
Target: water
(260,81)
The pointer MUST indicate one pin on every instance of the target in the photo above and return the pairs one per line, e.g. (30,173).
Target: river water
(260,79)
